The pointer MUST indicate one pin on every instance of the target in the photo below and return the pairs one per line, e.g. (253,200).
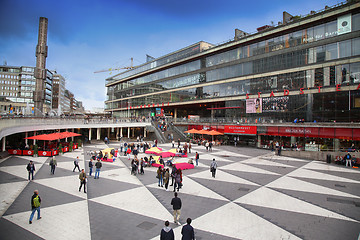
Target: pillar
(72,138)
(133,132)
(117,133)
(258,141)
(26,141)
(336,145)
(292,140)
(66,139)
(108,133)
(121,132)
(89,134)
(144,132)
(128,132)
(175,114)
(4,144)
(98,132)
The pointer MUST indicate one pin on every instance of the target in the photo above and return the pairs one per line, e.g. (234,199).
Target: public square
(255,195)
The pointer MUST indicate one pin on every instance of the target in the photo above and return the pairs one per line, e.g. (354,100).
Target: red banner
(28,152)
(44,153)
(14,151)
(65,149)
(248,130)
(55,152)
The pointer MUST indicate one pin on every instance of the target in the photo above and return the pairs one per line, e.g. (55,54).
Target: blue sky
(89,35)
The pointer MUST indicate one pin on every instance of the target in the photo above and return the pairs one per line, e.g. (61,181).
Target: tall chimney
(40,70)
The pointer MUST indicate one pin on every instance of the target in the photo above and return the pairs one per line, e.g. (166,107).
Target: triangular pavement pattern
(68,184)
(12,191)
(269,198)
(328,167)
(121,174)
(225,220)
(59,222)
(230,154)
(229,190)
(262,162)
(191,187)
(50,197)
(211,157)
(19,171)
(221,176)
(141,202)
(275,169)
(308,226)
(9,178)
(299,185)
(246,168)
(304,173)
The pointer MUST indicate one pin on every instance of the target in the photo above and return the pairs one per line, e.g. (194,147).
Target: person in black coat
(167,233)
(187,231)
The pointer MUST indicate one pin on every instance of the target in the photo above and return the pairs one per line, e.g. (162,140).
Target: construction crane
(116,69)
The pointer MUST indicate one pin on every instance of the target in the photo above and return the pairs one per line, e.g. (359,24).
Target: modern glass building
(305,68)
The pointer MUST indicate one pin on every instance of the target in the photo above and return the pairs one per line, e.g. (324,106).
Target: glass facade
(286,64)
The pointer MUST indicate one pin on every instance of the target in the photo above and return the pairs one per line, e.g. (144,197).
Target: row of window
(316,33)
(9,82)
(9,88)
(289,60)
(9,76)
(329,76)
(8,94)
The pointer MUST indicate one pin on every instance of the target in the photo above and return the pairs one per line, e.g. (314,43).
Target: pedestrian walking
(176,203)
(76,164)
(53,165)
(166,178)
(91,165)
(190,147)
(178,180)
(167,233)
(213,168)
(173,143)
(160,176)
(207,146)
(210,146)
(187,231)
(197,156)
(35,206)
(179,143)
(98,166)
(82,177)
(31,169)
(173,171)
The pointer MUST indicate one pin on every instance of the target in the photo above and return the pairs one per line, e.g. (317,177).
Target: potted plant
(79,143)
(61,149)
(36,150)
(71,146)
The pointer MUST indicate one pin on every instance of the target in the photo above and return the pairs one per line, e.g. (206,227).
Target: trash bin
(328,158)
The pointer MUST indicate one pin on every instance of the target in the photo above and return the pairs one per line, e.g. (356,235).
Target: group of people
(163,175)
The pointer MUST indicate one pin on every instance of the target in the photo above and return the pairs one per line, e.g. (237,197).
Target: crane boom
(116,69)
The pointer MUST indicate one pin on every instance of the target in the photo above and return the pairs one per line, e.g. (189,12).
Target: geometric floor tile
(303,186)
(66,221)
(9,192)
(235,221)
(265,197)
(304,173)
(141,202)
(307,226)
(10,231)
(9,178)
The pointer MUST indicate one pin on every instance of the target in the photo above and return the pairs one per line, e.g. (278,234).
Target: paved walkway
(255,195)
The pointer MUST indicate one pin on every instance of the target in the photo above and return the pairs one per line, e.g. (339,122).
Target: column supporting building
(4,144)
(89,134)
(128,132)
(98,132)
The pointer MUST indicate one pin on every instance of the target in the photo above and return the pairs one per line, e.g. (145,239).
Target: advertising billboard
(254,105)
(275,104)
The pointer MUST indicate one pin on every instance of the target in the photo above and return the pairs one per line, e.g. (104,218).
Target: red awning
(54,136)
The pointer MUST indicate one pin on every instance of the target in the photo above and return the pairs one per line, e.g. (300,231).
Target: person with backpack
(348,159)
(31,169)
(35,206)
(213,168)
(53,165)
(197,156)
